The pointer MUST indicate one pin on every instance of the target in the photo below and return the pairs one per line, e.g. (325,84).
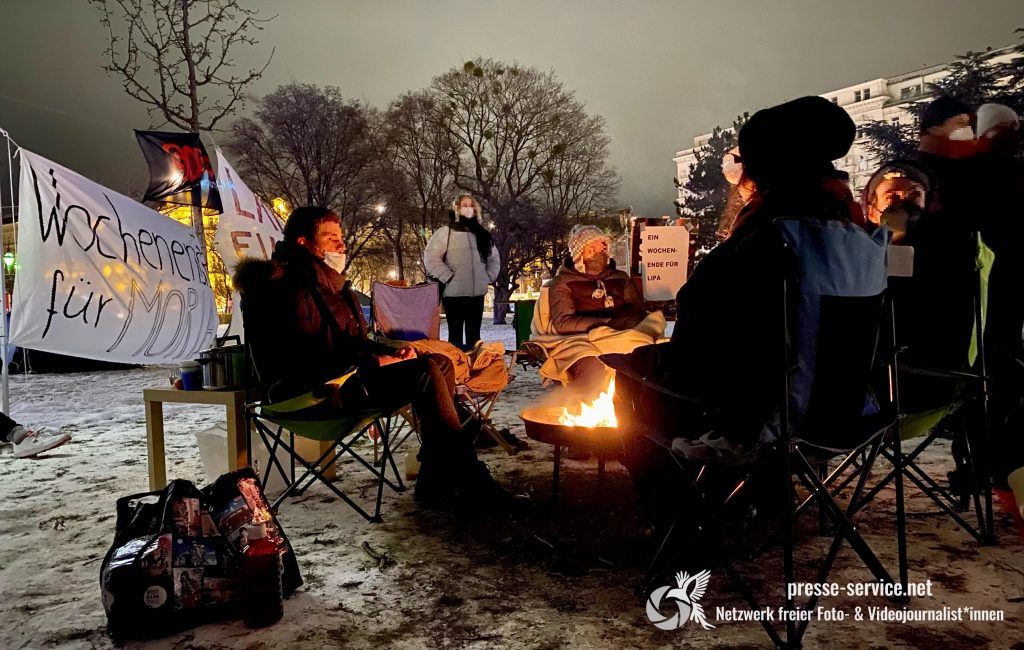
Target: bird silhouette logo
(686,594)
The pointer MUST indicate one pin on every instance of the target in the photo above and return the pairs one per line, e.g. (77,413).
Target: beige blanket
(563,351)
(482,371)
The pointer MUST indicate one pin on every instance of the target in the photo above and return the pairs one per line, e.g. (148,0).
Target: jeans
(464,312)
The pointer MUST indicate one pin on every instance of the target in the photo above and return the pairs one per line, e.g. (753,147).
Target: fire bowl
(542,425)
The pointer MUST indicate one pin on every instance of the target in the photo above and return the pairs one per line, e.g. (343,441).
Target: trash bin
(522,320)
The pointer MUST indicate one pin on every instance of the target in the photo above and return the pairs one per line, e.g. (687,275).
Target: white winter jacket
(451,256)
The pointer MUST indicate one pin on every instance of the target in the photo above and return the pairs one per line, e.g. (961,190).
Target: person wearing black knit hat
(797,139)
(731,298)
(944,116)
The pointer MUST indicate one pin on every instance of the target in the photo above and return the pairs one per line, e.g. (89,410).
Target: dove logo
(685,597)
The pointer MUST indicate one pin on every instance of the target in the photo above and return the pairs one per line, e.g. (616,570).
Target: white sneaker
(36,442)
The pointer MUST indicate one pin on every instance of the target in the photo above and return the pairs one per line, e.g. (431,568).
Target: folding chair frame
(971,455)
(398,421)
(795,462)
(315,471)
(480,406)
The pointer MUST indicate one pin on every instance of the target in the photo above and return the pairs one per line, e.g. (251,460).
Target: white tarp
(248,227)
(102,276)
(664,251)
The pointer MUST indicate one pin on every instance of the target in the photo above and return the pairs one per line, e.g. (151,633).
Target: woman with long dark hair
(463,259)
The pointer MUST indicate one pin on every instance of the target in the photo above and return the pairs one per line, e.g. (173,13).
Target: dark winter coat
(937,318)
(303,321)
(575,310)
(727,351)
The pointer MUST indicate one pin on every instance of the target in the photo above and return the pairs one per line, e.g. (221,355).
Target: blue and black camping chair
(830,307)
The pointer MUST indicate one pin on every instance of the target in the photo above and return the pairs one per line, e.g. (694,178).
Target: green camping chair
(279,423)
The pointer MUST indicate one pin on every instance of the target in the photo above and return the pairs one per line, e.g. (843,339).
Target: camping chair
(278,423)
(968,409)
(478,406)
(413,314)
(405,314)
(540,321)
(831,308)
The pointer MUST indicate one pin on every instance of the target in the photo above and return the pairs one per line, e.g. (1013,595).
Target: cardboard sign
(664,251)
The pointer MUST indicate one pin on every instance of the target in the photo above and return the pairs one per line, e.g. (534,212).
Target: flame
(599,413)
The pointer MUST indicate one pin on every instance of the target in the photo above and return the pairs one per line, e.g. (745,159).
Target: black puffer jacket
(303,321)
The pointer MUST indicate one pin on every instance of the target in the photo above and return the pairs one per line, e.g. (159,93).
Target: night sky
(660,72)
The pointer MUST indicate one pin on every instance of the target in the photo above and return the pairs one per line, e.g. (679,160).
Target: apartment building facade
(882,99)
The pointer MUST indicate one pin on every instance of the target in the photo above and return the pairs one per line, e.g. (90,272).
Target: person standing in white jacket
(462,257)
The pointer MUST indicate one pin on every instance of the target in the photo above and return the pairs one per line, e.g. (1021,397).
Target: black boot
(434,486)
(478,493)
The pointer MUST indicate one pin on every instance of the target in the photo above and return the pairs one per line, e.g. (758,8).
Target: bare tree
(310,146)
(178,56)
(520,134)
(417,166)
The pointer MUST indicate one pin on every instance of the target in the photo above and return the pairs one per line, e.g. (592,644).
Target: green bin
(522,319)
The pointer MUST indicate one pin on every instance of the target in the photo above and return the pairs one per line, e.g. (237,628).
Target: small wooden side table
(154,398)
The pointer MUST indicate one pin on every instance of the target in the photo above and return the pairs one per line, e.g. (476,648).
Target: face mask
(466,213)
(963,133)
(336,261)
(596,262)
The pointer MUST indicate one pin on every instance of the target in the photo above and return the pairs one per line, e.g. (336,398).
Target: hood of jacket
(253,272)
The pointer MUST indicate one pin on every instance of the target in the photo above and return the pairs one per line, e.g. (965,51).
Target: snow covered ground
(561,576)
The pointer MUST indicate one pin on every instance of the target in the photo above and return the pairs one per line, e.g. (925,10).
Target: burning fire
(599,413)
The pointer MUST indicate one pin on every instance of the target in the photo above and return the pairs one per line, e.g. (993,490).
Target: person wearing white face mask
(462,258)
(305,328)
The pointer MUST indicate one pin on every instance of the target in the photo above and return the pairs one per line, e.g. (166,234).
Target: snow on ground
(561,576)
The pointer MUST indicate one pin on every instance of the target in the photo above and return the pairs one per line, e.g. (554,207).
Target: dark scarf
(328,288)
(483,236)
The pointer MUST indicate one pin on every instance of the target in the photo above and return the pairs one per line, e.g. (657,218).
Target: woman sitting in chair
(305,328)
(725,354)
(588,292)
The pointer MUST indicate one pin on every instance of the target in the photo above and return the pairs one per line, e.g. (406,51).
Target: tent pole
(6,389)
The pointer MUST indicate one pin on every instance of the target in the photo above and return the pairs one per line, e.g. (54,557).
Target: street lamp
(280,207)
(9,261)
(380,208)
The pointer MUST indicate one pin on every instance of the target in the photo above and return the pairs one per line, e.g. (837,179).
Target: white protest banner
(102,276)
(664,251)
(248,227)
